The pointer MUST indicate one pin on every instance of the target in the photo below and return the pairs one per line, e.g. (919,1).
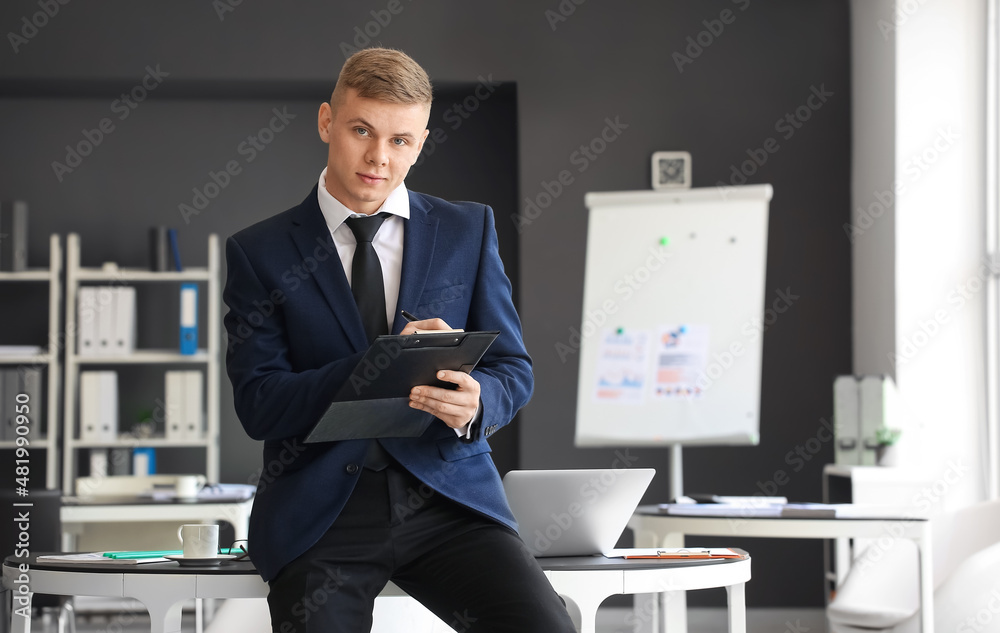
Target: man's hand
(426,324)
(455,407)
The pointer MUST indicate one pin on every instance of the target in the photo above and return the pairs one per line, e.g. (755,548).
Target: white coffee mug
(187,486)
(199,540)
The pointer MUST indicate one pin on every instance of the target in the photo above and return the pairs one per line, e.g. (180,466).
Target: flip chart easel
(673,319)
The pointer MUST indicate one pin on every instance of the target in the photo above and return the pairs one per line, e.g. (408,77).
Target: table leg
(657,613)
(588,614)
(737,608)
(20,623)
(646,614)
(164,618)
(674,613)
(163,595)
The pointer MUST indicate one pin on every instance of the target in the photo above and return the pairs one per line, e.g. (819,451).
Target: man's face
(372,146)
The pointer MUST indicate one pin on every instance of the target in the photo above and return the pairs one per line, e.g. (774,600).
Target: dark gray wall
(605,61)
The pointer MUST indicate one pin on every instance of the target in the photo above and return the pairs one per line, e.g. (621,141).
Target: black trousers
(473,573)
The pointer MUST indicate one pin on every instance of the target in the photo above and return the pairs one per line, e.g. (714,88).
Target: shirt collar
(334,211)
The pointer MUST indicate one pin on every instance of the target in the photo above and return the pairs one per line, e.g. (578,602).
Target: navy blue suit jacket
(295,334)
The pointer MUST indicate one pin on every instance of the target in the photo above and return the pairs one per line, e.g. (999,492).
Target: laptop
(574,512)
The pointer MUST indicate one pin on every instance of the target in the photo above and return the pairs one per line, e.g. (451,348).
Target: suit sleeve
(504,373)
(272,400)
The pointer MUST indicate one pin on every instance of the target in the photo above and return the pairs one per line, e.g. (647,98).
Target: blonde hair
(384,74)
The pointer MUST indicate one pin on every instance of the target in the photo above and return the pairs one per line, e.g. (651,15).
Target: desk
(654,528)
(587,581)
(163,587)
(77,511)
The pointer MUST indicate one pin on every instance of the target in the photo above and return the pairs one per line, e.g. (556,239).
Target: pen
(408,316)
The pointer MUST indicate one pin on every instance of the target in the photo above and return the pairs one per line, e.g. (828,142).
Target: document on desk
(211,493)
(375,399)
(785,510)
(722,509)
(676,553)
(98,558)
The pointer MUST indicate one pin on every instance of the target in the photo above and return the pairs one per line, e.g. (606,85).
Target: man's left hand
(455,407)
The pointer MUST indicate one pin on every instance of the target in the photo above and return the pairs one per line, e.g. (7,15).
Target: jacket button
(352,468)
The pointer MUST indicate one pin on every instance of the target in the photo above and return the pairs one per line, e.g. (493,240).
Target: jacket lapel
(419,236)
(312,237)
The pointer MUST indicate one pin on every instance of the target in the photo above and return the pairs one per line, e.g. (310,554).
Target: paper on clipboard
(374,400)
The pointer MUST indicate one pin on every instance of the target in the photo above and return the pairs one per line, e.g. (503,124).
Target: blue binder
(189,318)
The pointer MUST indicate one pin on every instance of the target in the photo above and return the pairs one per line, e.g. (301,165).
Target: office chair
(884,596)
(44,534)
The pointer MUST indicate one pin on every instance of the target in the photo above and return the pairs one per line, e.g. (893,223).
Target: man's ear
(324,119)
(420,145)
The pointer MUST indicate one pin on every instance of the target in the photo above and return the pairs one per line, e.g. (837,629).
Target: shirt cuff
(465,432)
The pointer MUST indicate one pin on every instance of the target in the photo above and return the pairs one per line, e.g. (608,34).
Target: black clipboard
(375,399)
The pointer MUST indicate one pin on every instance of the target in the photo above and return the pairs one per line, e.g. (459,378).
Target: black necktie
(366,275)
(369,293)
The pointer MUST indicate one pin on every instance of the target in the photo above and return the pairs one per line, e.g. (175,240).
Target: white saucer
(211,560)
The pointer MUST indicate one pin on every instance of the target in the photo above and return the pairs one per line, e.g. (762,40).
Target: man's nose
(378,154)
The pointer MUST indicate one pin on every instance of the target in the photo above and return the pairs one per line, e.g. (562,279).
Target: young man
(308,290)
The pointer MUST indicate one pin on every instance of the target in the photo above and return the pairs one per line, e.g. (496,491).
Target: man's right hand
(426,324)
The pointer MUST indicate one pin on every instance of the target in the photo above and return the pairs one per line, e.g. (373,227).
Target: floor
(610,620)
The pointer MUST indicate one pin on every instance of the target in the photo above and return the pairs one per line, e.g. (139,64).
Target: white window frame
(993,247)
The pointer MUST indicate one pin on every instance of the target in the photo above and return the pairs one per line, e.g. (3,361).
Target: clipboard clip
(431,340)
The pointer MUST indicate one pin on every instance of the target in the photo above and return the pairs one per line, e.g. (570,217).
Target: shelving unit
(208,279)
(49,360)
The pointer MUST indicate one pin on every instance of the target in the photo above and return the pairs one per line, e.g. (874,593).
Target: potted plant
(886,451)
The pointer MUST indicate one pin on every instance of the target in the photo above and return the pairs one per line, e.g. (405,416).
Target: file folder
(87,321)
(30,384)
(173,405)
(124,321)
(106,307)
(99,406)
(189,318)
(374,401)
(846,417)
(877,407)
(14,236)
(182,401)
(158,249)
(8,391)
(193,412)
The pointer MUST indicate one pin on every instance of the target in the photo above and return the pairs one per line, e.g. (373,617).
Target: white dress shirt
(388,244)
(388,241)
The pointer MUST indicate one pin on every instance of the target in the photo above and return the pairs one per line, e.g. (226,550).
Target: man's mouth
(371,179)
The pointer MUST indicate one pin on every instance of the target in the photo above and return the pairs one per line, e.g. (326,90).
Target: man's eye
(399,141)
(362,131)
